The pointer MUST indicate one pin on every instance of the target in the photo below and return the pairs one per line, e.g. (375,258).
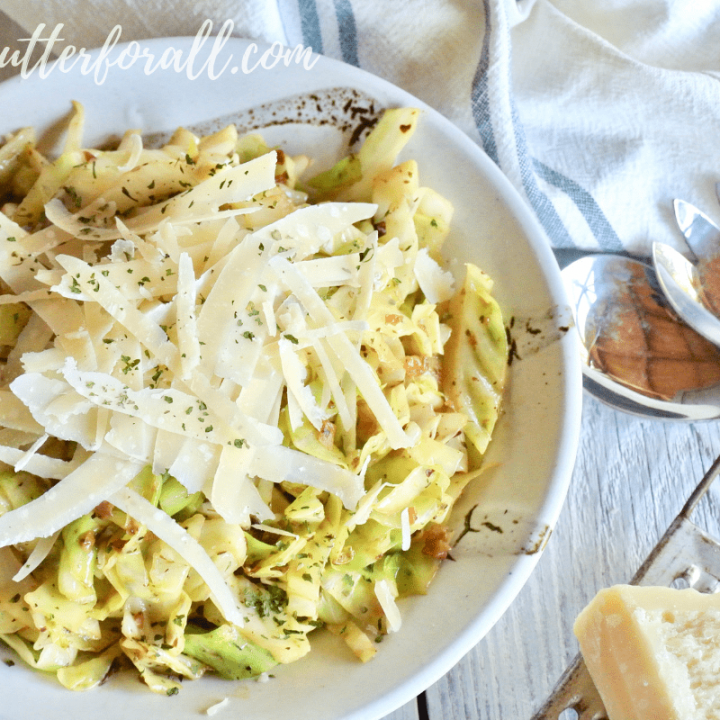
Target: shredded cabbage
(236,403)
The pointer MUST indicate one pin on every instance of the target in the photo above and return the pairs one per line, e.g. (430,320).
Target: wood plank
(409,711)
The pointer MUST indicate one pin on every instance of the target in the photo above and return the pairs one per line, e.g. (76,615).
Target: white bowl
(518,501)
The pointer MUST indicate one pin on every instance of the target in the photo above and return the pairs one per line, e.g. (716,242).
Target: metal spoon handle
(683,284)
(700,232)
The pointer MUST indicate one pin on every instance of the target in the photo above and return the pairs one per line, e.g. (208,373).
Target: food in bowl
(238,404)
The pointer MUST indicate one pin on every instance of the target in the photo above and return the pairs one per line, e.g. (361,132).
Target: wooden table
(631,478)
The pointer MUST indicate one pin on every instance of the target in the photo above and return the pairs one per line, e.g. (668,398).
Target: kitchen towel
(598,113)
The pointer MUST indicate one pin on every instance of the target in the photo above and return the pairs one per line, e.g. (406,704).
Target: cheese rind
(653,652)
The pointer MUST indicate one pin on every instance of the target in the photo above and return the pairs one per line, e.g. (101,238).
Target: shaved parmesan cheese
(27,297)
(294,372)
(306,230)
(336,270)
(389,257)
(367,278)
(121,250)
(40,552)
(347,327)
(188,345)
(113,301)
(386,598)
(26,458)
(269,315)
(257,398)
(166,238)
(295,413)
(40,362)
(149,252)
(40,465)
(78,493)
(245,425)
(331,378)
(61,316)
(231,293)
(168,409)
(348,355)
(217,707)
(162,525)
(224,242)
(405,528)
(273,530)
(15,266)
(167,447)
(351,395)
(366,504)
(283,463)
(103,418)
(79,346)
(54,404)
(131,437)
(437,284)
(135,278)
(196,465)
(8,228)
(234,495)
(230,185)
(16,415)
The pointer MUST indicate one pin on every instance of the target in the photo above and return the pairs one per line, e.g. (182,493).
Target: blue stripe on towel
(480,104)
(310,25)
(481,112)
(479,101)
(544,209)
(348,32)
(595,218)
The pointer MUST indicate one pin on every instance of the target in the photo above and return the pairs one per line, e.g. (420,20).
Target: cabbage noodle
(237,403)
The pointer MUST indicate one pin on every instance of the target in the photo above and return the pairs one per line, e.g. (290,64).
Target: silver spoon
(687,290)
(638,356)
(700,232)
(691,280)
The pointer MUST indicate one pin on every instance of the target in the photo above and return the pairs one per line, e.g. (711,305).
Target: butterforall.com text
(197,61)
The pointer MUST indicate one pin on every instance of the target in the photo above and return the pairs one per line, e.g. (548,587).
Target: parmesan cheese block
(653,652)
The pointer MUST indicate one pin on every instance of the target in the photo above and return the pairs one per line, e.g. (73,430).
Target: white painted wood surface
(631,478)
